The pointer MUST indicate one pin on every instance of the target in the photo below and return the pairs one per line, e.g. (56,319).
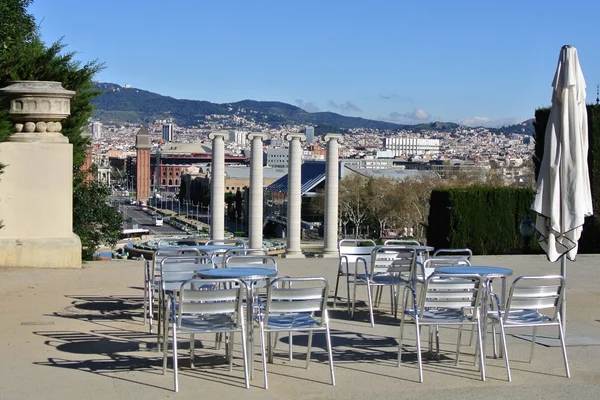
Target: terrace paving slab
(73,334)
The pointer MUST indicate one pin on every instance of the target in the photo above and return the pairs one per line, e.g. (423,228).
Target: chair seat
(523,317)
(381,279)
(296,321)
(212,323)
(448,316)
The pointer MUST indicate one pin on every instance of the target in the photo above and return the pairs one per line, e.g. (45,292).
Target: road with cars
(133,215)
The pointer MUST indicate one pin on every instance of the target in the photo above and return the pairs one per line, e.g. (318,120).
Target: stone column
(217,186)
(255,231)
(294,197)
(331,195)
(36,188)
(143,145)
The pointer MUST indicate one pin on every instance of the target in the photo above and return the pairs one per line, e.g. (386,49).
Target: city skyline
(470,63)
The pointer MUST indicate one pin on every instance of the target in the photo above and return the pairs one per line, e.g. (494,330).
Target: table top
(490,272)
(240,273)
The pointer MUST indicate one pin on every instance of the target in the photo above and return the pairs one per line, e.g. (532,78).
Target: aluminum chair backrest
(452,292)
(393,259)
(245,252)
(297,295)
(536,293)
(229,242)
(172,252)
(460,254)
(402,242)
(432,263)
(175,270)
(251,261)
(217,296)
(351,250)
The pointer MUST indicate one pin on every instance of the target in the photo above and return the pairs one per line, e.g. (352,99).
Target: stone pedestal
(36,188)
(217,186)
(294,197)
(255,233)
(332,177)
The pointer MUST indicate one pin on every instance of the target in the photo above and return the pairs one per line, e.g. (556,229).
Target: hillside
(138,106)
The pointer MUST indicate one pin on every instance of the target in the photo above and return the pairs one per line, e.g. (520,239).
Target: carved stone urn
(36,109)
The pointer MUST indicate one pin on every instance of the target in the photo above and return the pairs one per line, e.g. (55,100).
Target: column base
(293,254)
(330,254)
(41,253)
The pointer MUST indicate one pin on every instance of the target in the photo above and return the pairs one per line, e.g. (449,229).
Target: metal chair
(291,306)
(152,277)
(351,252)
(216,309)
(174,271)
(389,266)
(443,302)
(529,295)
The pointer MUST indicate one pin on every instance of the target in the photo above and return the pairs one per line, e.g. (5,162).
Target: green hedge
(484,219)
(590,238)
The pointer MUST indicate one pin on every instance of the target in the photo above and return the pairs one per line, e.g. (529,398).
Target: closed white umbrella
(563,198)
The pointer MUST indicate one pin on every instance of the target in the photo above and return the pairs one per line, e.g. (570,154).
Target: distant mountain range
(131,105)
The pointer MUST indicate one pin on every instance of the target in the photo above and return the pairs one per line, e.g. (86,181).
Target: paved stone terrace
(78,334)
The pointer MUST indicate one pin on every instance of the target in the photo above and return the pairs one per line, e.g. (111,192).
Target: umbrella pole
(563,311)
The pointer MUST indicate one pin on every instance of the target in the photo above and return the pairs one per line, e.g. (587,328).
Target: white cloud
(307,106)
(346,106)
(417,114)
(489,123)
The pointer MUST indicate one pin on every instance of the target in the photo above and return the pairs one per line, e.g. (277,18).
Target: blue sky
(472,61)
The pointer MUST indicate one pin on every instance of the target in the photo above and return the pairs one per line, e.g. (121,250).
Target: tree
(352,201)
(380,207)
(23,56)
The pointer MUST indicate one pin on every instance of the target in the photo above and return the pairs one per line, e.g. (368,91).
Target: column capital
(217,134)
(333,136)
(293,136)
(258,135)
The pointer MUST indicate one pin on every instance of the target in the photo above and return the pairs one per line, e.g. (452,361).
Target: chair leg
(353,301)
(310,336)
(175,379)
(481,353)
(263,353)
(400,338)
(348,291)
(564,347)
(230,352)
(370,296)
(329,351)
(335,293)
(505,350)
(419,356)
(533,339)
(460,329)
(159,320)
(192,345)
(245,357)
(270,347)
(165,356)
